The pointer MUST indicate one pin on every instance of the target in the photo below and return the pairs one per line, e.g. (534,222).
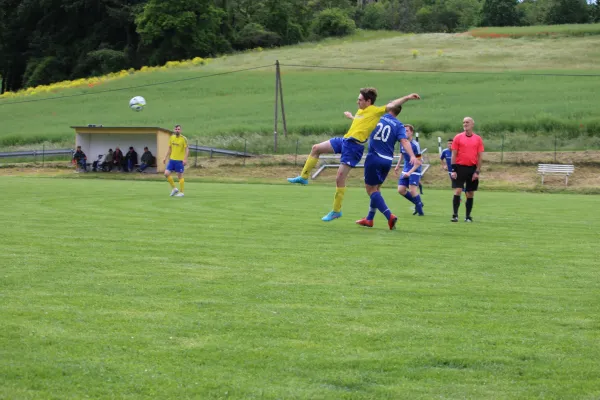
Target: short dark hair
(130,147)
(145,147)
(369,93)
(450,140)
(396,110)
(409,126)
(177,126)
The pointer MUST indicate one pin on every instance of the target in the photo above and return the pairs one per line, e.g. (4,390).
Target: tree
(180,29)
(373,17)
(533,12)
(401,15)
(500,13)
(468,11)
(15,28)
(332,22)
(567,12)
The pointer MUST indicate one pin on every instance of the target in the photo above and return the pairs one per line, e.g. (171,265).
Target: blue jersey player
(447,157)
(411,173)
(379,162)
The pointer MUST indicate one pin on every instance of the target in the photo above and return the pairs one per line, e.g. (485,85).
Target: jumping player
(379,162)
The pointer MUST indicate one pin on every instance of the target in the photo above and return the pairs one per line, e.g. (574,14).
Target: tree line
(45,41)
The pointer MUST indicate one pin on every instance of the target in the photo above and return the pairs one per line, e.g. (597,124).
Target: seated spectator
(147,160)
(118,158)
(80,158)
(107,164)
(132,159)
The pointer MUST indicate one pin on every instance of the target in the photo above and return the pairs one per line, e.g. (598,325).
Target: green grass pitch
(113,289)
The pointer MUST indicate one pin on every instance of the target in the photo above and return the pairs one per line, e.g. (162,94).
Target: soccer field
(113,289)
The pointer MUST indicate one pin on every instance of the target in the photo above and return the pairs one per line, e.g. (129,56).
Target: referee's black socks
(469,206)
(456,203)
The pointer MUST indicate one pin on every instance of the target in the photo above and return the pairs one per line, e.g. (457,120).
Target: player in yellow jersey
(177,155)
(351,146)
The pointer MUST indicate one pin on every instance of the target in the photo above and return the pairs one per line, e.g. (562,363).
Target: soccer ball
(137,103)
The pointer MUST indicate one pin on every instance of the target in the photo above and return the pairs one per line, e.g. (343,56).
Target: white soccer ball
(137,103)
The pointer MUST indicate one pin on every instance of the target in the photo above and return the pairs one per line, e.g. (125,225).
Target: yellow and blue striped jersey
(178,147)
(364,122)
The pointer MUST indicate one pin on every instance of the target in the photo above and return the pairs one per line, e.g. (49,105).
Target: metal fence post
(276,106)
(43,153)
(555,148)
(245,147)
(502,150)
(296,157)
(196,158)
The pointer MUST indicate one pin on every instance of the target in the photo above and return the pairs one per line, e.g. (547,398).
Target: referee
(467,150)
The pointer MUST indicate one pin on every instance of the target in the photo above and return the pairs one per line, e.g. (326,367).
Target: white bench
(556,169)
(327,163)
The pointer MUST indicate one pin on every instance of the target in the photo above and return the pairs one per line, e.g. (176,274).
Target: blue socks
(372,211)
(379,203)
(418,204)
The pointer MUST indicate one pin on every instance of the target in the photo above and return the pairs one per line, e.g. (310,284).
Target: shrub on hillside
(374,17)
(255,35)
(332,22)
(106,60)
(294,33)
(41,71)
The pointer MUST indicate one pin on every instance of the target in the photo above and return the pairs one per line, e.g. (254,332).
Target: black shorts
(464,178)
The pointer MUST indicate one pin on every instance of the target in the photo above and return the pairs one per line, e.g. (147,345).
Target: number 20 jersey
(385,135)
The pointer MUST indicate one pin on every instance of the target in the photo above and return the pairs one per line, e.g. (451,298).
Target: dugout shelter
(97,139)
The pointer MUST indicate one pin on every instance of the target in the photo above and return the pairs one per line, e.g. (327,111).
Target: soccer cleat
(419,210)
(454,218)
(299,180)
(419,213)
(365,222)
(468,219)
(174,191)
(331,216)
(392,222)
(180,194)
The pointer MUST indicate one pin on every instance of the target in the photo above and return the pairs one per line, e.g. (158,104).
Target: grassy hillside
(497,82)
(538,30)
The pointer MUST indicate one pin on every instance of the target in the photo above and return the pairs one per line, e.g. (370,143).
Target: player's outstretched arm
(348,115)
(402,100)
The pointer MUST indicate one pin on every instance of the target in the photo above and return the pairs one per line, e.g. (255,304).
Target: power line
(296,66)
(430,71)
(133,87)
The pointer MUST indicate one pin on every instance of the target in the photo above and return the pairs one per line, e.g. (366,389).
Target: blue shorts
(175,165)
(376,169)
(351,150)
(413,179)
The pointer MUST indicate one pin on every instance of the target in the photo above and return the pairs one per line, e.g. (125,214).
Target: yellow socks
(338,198)
(308,166)
(181,182)
(171,181)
